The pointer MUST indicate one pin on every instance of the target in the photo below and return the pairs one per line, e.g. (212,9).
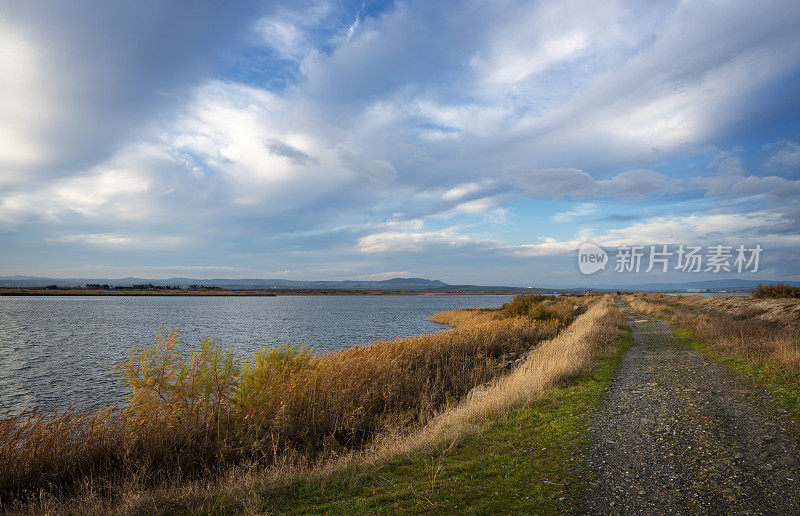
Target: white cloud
(374,168)
(101,191)
(416,109)
(511,65)
(260,147)
(462,190)
(119,241)
(163,271)
(86,194)
(732,228)
(380,276)
(732,181)
(577,184)
(283,36)
(404,241)
(461,118)
(287,31)
(533,38)
(580,210)
(691,84)
(27,104)
(786,156)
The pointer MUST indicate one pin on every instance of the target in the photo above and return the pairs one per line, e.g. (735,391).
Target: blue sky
(471,142)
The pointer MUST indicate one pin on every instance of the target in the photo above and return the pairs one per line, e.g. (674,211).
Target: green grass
(526,461)
(782,386)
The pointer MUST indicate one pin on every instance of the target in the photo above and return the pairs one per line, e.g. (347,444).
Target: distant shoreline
(272,292)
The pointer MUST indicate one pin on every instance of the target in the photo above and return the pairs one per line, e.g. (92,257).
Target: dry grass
(552,362)
(208,417)
(461,317)
(532,306)
(730,326)
(779,290)
(784,311)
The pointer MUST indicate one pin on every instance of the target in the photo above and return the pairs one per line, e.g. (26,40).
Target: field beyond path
(679,434)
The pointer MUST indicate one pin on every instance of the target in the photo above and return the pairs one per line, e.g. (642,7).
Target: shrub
(538,307)
(191,414)
(776,290)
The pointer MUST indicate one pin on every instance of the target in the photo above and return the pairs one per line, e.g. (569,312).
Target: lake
(58,350)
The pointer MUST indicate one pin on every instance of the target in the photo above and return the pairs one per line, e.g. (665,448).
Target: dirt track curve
(677,434)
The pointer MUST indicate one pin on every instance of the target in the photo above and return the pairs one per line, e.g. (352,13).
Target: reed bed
(730,329)
(461,317)
(551,363)
(201,415)
(531,306)
(779,290)
(778,310)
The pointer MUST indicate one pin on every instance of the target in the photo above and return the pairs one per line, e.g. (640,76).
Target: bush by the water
(776,290)
(538,307)
(191,415)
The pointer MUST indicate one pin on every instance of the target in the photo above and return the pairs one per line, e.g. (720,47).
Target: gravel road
(678,434)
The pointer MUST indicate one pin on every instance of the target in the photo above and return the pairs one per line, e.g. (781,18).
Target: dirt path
(677,434)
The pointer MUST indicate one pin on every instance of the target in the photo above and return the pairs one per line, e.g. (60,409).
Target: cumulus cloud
(274,132)
(373,168)
(404,241)
(733,181)
(730,228)
(577,184)
(23,68)
(580,210)
(69,97)
(119,241)
(787,156)
(739,185)
(108,191)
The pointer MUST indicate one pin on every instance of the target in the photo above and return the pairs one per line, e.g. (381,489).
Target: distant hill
(420,284)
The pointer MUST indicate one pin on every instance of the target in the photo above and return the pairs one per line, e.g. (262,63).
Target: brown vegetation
(199,416)
(733,328)
(531,306)
(784,311)
(461,317)
(779,290)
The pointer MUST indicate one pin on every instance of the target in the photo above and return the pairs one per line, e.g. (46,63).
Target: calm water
(57,351)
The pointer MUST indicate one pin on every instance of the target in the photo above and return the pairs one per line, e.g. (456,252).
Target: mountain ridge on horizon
(388,284)
(399,283)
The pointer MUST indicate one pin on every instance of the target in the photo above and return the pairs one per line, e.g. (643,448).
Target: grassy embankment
(209,419)
(516,448)
(759,338)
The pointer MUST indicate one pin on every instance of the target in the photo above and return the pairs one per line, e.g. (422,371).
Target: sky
(473,142)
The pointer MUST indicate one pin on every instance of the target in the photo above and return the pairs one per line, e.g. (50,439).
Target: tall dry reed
(197,415)
(779,290)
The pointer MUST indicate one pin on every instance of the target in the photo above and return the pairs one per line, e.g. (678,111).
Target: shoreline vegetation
(209,423)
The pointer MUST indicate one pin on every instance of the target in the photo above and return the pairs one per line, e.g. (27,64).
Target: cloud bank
(350,139)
